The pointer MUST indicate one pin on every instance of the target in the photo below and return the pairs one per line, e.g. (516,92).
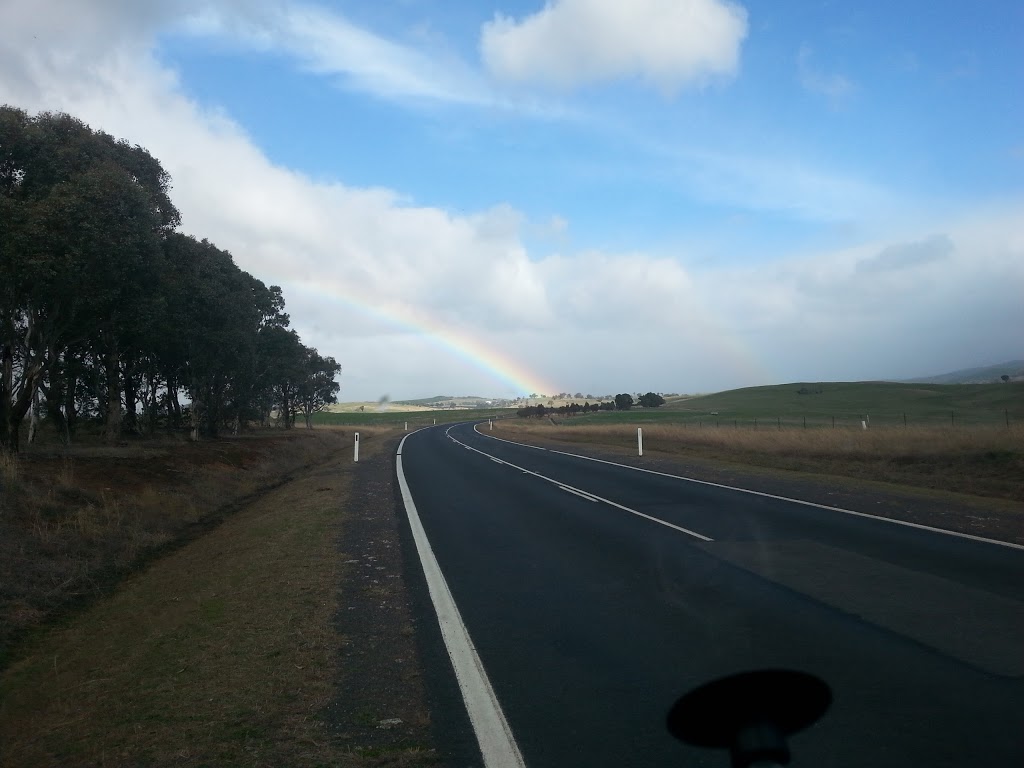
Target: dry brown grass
(221,653)
(73,523)
(985,461)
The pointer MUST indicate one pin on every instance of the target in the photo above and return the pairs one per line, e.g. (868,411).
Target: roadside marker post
(640,441)
(407,426)
(355,451)
(490,424)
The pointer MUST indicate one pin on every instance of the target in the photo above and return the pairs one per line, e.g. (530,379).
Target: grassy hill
(982,375)
(886,403)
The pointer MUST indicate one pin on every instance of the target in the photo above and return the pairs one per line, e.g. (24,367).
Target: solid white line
(493,734)
(580,491)
(496,461)
(933,529)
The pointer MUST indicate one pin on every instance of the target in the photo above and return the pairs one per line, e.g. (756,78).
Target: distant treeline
(622,402)
(109,313)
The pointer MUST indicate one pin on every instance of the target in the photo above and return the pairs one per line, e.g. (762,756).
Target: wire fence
(1004,419)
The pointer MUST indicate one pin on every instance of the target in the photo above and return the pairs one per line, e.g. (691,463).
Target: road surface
(594,595)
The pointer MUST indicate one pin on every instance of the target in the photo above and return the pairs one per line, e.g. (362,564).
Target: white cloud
(328,43)
(915,302)
(669,43)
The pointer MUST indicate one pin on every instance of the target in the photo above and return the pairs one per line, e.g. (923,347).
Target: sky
(593,196)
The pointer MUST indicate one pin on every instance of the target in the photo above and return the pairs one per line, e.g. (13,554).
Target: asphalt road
(591,616)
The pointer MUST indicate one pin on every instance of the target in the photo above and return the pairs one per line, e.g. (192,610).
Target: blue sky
(722,180)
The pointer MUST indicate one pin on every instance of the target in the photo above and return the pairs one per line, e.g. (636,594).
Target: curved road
(595,594)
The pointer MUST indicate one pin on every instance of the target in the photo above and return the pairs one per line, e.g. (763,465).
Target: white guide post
(355,451)
(640,441)
(407,426)
(490,424)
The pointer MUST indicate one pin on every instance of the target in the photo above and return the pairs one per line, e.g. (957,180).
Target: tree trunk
(54,413)
(286,407)
(6,394)
(196,412)
(131,399)
(213,408)
(33,415)
(151,405)
(70,411)
(30,374)
(112,429)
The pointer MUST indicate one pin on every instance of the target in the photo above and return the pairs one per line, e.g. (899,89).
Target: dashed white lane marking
(582,495)
(933,529)
(587,494)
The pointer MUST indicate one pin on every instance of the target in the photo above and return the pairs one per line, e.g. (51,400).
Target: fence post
(1006,414)
(779,420)
(355,450)
(904,419)
(639,441)
(833,422)
(952,418)
(755,422)
(805,422)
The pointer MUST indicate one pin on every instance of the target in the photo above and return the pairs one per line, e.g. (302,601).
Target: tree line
(622,402)
(109,314)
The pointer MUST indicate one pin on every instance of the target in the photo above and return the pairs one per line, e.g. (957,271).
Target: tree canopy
(651,400)
(109,313)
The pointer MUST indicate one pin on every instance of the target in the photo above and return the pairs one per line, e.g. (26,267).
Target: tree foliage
(108,312)
(651,400)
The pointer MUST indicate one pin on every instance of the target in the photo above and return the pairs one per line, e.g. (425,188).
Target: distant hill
(988,374)
(425,400)
(449,401)
(849,402)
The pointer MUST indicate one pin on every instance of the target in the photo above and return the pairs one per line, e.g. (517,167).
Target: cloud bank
(357,263)
(670,43)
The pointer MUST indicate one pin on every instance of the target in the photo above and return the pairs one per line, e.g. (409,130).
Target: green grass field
(885,403)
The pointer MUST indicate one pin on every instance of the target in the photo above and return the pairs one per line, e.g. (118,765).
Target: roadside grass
(74,522)
(982,461)
(221,652)
(882,403)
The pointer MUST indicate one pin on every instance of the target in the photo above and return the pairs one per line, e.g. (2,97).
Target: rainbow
(455,341)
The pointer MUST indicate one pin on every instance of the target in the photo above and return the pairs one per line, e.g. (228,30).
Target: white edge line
(493,734)
(586,494)
(931,528)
